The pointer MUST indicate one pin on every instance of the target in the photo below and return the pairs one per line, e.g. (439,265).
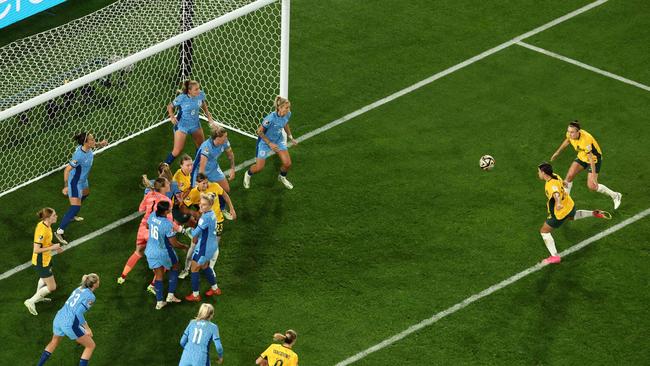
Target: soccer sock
(581,214)
(209,275)
(39,295)
(195,283)
(250,174)
(188,259)
(72,212)
(44,356)
(170,159)
(83,198)
(569,185)
(173,280)
(550,243)
(41,283)
(159,290)
(284,174)
(130,263)
(222,203)
(83,362)
(604,190)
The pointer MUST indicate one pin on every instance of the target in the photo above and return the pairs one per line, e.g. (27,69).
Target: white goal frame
(148,52)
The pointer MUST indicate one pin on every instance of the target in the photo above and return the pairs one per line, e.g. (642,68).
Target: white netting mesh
(238,65)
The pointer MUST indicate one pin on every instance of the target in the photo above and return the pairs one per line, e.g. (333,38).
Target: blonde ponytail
(279,102)
(89,280)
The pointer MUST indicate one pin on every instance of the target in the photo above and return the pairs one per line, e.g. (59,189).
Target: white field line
(583,65)
(389,98)
(488,291)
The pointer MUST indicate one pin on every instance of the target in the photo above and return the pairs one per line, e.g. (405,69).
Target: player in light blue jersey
(271,139)
(207,247)
(189,102)
(160,253)
(197,337)
(75,178)
(70,320)
(207,157)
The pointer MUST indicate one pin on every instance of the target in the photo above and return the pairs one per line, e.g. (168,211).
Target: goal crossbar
(129,60)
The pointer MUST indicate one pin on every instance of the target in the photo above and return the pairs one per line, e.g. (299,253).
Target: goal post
(114,71)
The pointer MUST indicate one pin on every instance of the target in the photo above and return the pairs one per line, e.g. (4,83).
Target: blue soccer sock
(222,203)
(195,281)
(209,275)
(159,289)
(83,362)
(83,198)
(44,356)
(173,280)
(170,159)
(72,212)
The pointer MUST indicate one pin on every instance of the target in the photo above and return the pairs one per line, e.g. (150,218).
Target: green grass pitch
(391,220)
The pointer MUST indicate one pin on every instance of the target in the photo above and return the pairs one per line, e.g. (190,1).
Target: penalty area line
(583,65)
(488,291)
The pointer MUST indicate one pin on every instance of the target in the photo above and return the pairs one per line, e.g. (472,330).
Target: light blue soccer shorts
(187,127)
(159,261)
(263,150)
(76,190)
(203,259)
(72,331)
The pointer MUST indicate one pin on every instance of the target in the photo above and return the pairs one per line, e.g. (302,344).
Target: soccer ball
(486,162)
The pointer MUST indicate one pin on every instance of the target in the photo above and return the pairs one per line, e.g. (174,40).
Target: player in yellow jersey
(280,354)
(560,207)
(183,179)
(42,258)
(590,157)
(183,176)
(194,198)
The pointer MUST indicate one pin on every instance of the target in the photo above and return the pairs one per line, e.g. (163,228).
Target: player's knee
(287,165)
(51,286)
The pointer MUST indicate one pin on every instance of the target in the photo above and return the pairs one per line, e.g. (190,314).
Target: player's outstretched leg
(599,214)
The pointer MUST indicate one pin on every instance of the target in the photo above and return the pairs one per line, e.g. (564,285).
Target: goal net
(114,71)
